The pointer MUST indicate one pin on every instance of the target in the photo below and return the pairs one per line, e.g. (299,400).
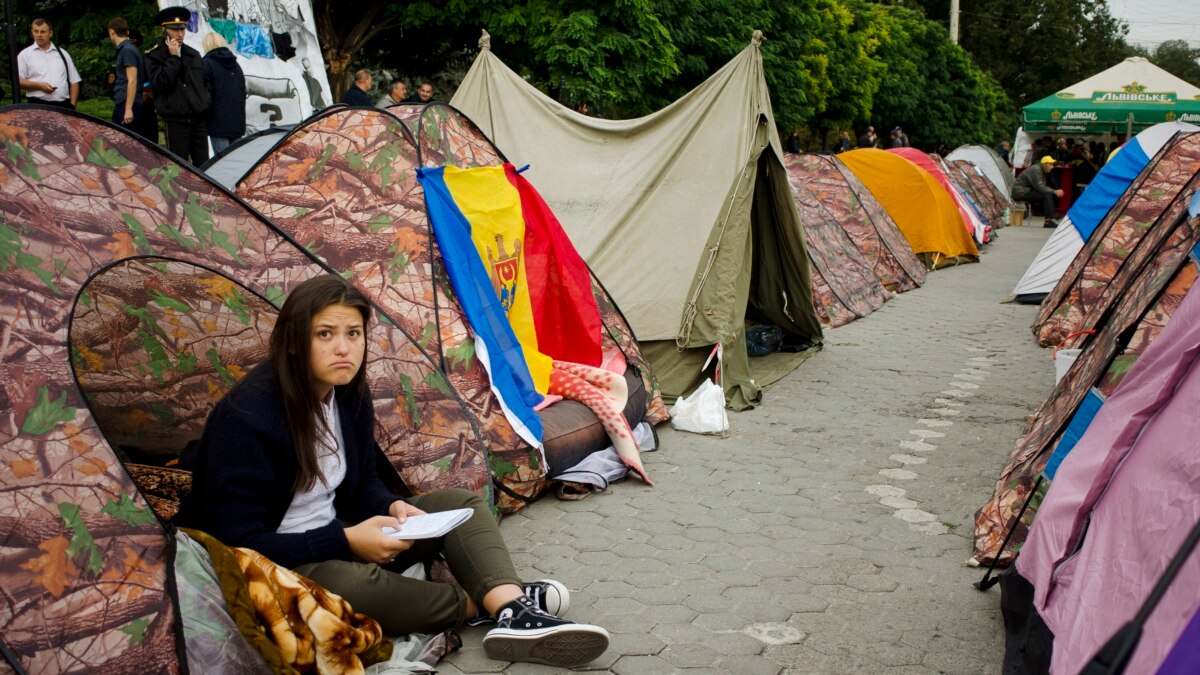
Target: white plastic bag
(1063,359)
(703,412)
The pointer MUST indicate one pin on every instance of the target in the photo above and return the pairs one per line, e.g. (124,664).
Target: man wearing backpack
(47,73)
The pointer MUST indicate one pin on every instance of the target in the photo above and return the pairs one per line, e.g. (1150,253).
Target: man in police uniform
(47,73)
(181,98)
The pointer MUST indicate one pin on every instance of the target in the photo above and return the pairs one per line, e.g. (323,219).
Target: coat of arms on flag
(506,271)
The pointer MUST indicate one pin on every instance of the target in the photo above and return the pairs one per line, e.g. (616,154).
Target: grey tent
(686,213)
(232,165)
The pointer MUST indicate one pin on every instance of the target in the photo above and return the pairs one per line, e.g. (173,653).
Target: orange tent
(923,210)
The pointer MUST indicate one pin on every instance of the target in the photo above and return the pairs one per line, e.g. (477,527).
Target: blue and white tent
(1091,207)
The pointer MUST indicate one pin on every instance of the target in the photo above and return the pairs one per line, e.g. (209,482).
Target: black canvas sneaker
(551,596)
(526,633)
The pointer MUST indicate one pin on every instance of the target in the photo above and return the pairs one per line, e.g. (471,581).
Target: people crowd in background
(201,99)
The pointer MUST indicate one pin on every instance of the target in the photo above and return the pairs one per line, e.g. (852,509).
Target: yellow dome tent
(922,209)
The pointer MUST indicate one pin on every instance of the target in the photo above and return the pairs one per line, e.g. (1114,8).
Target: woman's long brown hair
(291,343)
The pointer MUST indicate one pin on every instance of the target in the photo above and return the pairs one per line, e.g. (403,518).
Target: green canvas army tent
(1130,96)
(686,213)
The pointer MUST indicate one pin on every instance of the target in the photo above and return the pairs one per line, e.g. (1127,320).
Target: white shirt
(39,65)
(313,508)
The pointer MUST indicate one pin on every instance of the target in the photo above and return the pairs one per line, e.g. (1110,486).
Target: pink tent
(1120,506)
(975,225)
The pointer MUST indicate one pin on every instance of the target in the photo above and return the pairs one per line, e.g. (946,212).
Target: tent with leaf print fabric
(686,214)
(134,293)
(852,207)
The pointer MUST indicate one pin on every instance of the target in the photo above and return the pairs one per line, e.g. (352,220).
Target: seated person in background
(287,466)
(395,96)
(357,93)
(1031,186)
(424,94)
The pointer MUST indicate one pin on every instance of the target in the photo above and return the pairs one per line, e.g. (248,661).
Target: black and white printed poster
(276,45)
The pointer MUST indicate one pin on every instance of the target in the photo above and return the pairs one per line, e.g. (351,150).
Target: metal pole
(1129,127)
(10,28)
(954,21)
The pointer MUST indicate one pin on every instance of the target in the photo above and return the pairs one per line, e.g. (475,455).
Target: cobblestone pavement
(828,533)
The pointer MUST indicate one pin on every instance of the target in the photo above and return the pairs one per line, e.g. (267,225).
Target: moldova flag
(524,289)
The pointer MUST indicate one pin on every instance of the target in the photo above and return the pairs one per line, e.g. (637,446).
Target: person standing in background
(180,96)
(227,93)
(148,119)
(868,138)
(47,73)
(843,143)
(792,145)
(128,73)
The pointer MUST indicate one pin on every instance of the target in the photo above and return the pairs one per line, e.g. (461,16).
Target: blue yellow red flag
(476,218)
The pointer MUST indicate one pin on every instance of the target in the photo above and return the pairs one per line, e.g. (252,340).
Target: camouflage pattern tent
(855,209)
(990,201)
(1123,242)
(844,286)
(134,293)
(1132,321)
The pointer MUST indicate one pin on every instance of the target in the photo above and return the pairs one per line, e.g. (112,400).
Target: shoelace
(532,591)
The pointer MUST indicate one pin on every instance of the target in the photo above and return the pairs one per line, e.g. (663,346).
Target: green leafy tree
(345,29)
(1034,48)
(852,38)
(801,42)
(933,88)
(603,53)
(1178,58)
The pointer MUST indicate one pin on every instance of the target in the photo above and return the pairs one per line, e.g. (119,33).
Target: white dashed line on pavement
(892,496)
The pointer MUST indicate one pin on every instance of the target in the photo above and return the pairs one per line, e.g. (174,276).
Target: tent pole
(986,582)
(1112,658)
(1129,127)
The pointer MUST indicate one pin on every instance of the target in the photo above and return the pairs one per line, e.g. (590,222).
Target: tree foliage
(829,64)
(1178,58)
(1034,48)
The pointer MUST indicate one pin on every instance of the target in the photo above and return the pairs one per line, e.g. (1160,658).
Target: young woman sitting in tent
(288,466)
